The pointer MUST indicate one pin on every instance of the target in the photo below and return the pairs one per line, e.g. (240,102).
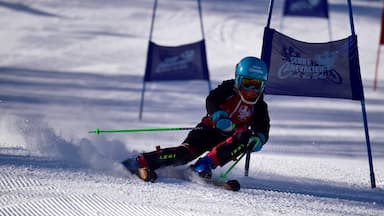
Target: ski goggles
(251,83)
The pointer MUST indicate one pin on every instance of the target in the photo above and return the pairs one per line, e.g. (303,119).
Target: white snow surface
(67,67)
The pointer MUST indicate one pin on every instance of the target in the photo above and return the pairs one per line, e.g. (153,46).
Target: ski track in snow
(67,67)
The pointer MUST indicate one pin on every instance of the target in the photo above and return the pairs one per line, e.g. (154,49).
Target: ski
(144,174)
(233,185)
(131,165)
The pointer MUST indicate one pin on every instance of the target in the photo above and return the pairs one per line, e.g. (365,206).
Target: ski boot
(203,167)
(140,168)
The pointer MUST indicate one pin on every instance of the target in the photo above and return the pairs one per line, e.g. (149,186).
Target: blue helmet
(252,68)
(250,79)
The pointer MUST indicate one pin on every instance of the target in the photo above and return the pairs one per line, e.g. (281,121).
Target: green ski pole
(225,174)
(134,130)
(246,152)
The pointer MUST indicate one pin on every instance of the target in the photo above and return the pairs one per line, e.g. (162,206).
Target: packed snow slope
(67,67)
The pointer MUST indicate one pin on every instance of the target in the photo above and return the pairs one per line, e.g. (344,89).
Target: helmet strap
(245,100)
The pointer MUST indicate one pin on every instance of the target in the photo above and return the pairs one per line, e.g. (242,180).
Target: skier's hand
(220,114)
(222,121)
(225,125)
(256,142)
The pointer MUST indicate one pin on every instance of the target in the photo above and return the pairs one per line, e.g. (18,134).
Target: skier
(237,120)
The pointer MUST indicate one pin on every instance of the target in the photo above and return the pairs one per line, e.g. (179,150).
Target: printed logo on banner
(304,5)
(176,63)
(320,67)
(307,8)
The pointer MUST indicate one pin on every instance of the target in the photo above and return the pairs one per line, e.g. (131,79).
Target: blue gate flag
(298,68)
(185,62)
(311,8)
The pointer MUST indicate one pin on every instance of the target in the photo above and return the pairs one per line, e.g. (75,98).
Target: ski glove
(222,121)
(256,142)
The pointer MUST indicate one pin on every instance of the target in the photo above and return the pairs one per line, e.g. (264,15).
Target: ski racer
(237,119)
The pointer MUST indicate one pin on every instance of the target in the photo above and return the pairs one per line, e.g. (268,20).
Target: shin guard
(168,156)
(230,148)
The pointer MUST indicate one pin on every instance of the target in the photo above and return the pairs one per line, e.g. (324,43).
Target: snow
(67,67)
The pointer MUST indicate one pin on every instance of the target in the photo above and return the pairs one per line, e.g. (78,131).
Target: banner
(312,8)
(312,69)
(186,62)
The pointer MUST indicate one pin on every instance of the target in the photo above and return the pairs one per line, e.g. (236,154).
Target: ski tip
(232,185)
(131,165)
